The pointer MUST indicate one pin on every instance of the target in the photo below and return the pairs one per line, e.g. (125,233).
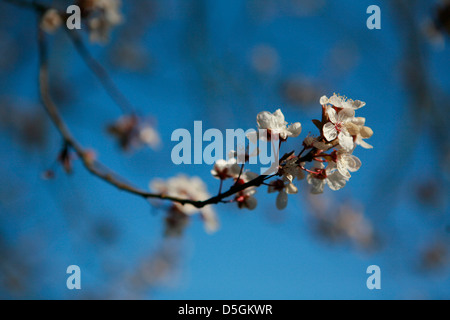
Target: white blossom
(345,162)
(184,187)
(342,102)
(149,136)
(106,15)
(336,127)
(329,176)
(275,124)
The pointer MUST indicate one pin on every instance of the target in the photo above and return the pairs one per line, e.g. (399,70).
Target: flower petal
(253,137)
(346,141)
(342,166)
(332,115)
(336,181)
(323,100)
(363,144)
(295,129)
(291,189)
(336,101)
(366,132)
(353,163)
(317,184)
(278,118)
(359,121)
(346,115)
(329,131)
(357,104)
(265,120)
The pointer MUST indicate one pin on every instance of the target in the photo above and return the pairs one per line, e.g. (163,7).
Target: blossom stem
(240,174)
(220,186)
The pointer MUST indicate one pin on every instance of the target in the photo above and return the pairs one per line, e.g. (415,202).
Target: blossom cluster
(132,132)
(341,132)
(325,160)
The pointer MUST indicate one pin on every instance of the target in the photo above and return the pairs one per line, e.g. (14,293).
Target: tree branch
(101,73)
(98,169)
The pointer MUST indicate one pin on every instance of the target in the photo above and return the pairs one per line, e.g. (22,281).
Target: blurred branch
(100,73)
(93,166)
(98,169)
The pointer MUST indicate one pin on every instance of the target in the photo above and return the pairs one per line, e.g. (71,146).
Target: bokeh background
(222,62)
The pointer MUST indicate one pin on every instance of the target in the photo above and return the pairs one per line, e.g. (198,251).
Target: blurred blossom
(435,257)
(51,21)
(429,192)
(157,269)
(105,231)
(14,271)
(184,187)
(102,16)
(133,132)
(265,59)
(26,122)
(283,187)
(342,222)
